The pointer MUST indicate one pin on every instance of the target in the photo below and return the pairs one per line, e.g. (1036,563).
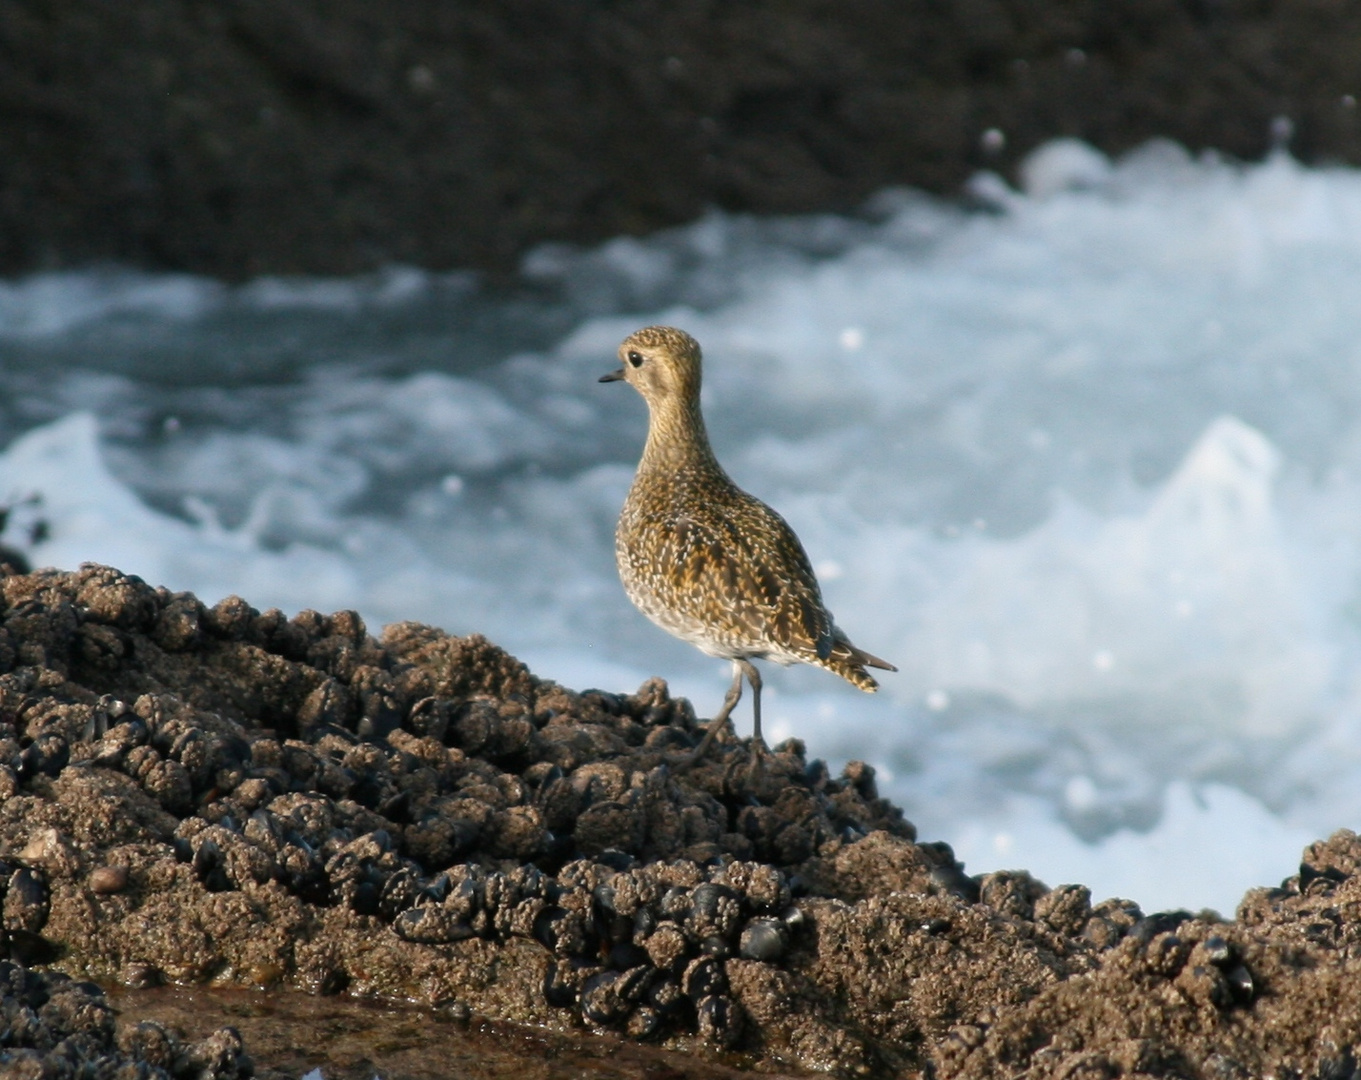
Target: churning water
(1083,459)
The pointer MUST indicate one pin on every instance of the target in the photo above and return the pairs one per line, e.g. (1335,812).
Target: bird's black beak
(613,376)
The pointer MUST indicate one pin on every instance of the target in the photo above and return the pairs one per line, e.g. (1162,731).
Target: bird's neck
(676,438)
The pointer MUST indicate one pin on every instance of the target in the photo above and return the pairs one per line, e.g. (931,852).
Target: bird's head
(662,363)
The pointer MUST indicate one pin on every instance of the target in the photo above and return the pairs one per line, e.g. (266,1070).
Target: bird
(704,560)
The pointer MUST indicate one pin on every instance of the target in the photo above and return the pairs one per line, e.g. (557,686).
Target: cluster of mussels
(635,946)
(429,782)
(57,1027)
(23,913)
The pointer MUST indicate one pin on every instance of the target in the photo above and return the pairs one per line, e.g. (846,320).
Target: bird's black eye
(636,359)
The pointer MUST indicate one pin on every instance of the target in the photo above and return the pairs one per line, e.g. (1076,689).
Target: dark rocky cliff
(238,137)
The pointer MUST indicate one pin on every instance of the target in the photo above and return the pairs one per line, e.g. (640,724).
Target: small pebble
(454,1011)
(109,879)
(139,975)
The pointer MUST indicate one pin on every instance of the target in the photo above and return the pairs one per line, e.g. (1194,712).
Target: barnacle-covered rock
(27,901)
(713,911)
(666,946)
(225,794)
(601,1000)
(432,924)
(720,1020)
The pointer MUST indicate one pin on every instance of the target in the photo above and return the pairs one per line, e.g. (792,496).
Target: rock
(1065,909)
(105,880)
(290,803)
(26,901)
(58,1027)
(274,140)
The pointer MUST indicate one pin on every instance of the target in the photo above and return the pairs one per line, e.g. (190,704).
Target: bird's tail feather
(861,657)
(850,663)
(854,674)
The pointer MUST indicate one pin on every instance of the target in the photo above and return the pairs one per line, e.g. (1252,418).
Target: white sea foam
(1085,464)
(50,304)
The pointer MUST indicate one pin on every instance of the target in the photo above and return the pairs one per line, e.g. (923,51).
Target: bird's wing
(753,568)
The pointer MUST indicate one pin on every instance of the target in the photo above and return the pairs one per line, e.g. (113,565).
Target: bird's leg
(722,717)
(758,744)
(747,668)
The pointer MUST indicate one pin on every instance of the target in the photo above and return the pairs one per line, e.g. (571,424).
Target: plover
(704,560)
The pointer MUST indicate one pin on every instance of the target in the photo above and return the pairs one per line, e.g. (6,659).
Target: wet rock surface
(55,1026)
(243,138)
(227,797)
(358,1039)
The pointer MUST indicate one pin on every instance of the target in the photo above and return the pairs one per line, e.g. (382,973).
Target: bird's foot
(716,727)
(756,770)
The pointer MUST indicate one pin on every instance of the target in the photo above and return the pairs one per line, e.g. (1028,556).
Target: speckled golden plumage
(703,559)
